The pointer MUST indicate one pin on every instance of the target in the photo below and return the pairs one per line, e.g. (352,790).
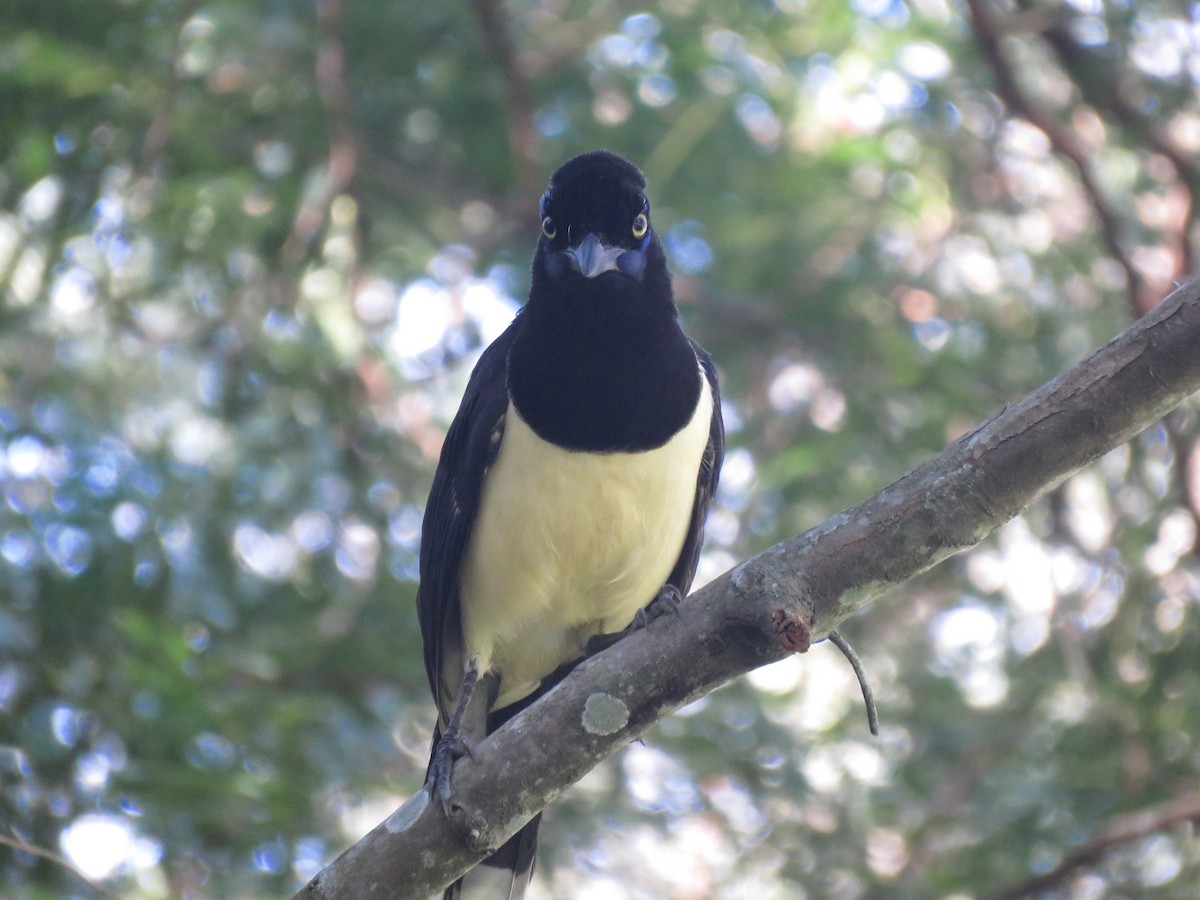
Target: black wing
(468,452)
(706,483)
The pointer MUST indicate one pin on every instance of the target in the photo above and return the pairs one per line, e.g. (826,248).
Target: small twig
(23,846)
(1123,830)
(158,132)
(1102,88)
(523,139)
(988,35)
(1184,449)
(842,644)
(344,151)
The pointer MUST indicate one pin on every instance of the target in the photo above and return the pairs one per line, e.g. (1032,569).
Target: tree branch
(344,150)
(1110,88)
(1122,831)
(21,845)
(988,35)
(1104,90)
(777,601)
(158,132)
(523,139)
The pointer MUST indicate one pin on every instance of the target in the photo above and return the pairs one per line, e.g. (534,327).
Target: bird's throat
(604,388)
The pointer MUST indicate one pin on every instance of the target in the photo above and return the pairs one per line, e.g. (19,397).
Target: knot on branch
(795,634)
(471,828)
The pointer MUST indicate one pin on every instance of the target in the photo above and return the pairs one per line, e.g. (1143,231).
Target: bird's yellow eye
(548,228)
(640,225)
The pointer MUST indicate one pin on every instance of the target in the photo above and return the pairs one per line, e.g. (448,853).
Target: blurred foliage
(248,253)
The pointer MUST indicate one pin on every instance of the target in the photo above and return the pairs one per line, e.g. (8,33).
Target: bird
(569,500)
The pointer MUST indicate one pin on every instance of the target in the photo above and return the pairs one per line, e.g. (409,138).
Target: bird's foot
(450,749)
(667,603)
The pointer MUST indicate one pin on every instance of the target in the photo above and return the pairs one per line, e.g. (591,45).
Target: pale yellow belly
(568,545)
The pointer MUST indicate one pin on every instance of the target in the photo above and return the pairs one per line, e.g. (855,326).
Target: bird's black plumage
(593,385)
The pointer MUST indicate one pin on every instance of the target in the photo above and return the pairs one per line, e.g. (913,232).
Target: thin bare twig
(1121,832)
(518,108)
(158,132)
(1102,89)
(23,846)
(988,35)
(835,638)
(343,137)
(1184,450)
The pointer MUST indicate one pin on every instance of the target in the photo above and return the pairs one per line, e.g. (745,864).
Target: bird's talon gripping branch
(452,745)
(449,750)
(665,603)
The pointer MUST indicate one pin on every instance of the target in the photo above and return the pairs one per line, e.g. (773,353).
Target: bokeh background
(248,255)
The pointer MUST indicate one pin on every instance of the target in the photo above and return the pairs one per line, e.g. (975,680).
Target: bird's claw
(450,749)
(666,603)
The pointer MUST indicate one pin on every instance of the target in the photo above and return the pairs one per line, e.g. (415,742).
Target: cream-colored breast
(568,545)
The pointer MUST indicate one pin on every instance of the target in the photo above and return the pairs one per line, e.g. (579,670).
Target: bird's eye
(640,225)
(548,228)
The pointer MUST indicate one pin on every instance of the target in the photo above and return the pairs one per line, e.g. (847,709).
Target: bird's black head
(597,360)
(596,231)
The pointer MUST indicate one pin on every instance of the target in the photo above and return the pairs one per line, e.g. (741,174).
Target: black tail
(505,874)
